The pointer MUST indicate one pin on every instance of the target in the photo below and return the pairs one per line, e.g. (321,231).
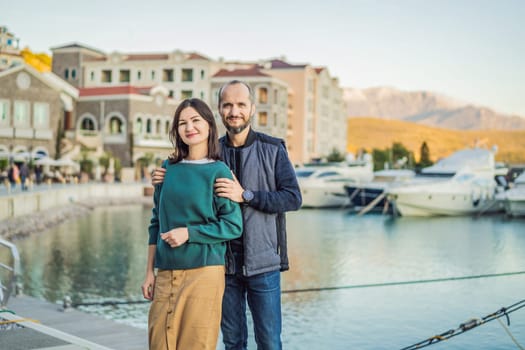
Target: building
(35,109)
(9,49)
(185,75)
(127,100)
(127,122)
(299,103)
(316,113)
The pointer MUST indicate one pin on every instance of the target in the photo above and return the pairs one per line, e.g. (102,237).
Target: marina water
(341,290)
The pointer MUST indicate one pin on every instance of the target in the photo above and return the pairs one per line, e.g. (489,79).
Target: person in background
(24,176)
(13,175)
(38,174)
(187,235)
(266,186)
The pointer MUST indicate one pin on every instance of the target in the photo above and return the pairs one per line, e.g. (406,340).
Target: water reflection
(103,257)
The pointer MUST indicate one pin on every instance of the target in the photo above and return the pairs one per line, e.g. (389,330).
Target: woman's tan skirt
(186,310)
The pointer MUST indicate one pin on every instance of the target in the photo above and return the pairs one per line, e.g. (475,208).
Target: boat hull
(441,204)
(324,197)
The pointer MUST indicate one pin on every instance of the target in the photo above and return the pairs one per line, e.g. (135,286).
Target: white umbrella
(46,161)
(21,156)
(67,162)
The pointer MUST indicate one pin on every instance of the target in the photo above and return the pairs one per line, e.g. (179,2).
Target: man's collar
(249,139)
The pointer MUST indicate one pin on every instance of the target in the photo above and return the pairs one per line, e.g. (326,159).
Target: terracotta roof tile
(251,72)
(146,57)
(196,56)
(276,64)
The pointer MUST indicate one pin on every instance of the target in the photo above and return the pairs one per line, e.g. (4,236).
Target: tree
(335,156)
(400,155)
(380,157)
(424,159)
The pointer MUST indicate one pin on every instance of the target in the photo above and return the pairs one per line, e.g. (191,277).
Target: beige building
(9,49)
(34,110)
(299,103)
(125,121)
(317,119)
(184,75)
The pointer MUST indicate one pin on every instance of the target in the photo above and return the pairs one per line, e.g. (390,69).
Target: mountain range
(426,108)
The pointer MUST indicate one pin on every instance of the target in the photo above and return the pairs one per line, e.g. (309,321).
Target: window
(148,126)
(115,126)
(157,128)
(66,73)
(40,115)
(202,74)
(263,118)
(152,75)
(21,114)
(186,94)
(4,112)
(106,76)
(167,75)
(92,76)
(138,126)
(139,75)
(124,76)
(263,95)
(73,74)
(187,74)
(276,96)
(171,94)
(167,127)
(202,95)
(87,124)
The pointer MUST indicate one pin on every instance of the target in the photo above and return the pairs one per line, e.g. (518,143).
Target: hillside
(378,133)
(428,108)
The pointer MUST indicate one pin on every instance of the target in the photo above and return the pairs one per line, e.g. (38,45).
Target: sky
(471,50)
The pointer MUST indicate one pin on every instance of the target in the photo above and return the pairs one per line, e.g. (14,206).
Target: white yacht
(461,184)
(363,196)
(322,185)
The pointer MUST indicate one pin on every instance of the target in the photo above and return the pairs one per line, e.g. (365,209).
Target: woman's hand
(148,286)
(176,237)
(157,176)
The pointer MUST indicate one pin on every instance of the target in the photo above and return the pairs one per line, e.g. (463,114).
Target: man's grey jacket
(263,167)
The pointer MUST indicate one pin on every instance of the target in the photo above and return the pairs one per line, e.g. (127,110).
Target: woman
(187,235)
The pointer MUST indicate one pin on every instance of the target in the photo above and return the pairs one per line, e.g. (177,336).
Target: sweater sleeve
(154,226)
(287,197)
(228,225)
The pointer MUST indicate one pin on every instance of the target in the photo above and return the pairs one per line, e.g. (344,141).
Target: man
(266,185)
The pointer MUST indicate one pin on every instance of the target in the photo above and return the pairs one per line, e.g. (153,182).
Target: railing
(9,272)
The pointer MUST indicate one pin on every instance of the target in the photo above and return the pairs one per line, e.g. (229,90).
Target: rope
(19,320)
(322,289)
(399,283)
(510,335)
(470,324)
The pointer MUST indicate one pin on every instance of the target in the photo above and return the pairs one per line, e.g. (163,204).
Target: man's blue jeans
(263,293)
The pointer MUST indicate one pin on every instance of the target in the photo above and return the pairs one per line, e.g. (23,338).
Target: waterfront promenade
(47,326)
(15,203)
(29,323)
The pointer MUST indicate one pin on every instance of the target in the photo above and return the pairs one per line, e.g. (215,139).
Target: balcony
(155,141)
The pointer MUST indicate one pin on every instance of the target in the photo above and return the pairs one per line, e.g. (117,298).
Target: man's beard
(239,129)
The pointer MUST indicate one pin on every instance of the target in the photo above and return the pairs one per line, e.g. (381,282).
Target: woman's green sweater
(186,199)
